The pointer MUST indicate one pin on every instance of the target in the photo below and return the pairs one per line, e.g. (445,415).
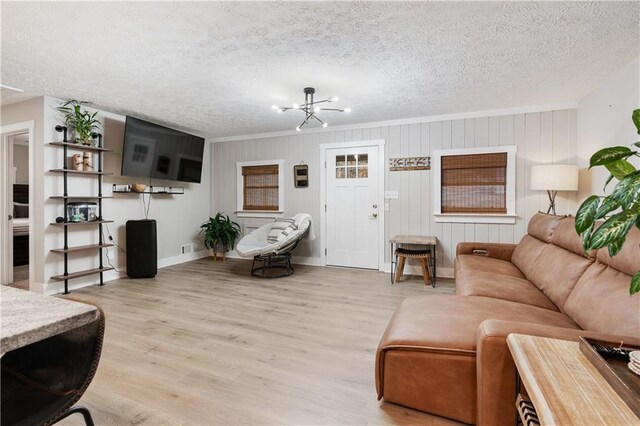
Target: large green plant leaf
(615,246)
(635,284)
(614,228)
(636,119)
(608,205)
(608,155)
(587,213)
(586,238)
(620,169)
(627,191)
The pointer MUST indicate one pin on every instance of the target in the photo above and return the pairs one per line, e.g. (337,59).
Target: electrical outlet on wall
(186,248)
(391,195)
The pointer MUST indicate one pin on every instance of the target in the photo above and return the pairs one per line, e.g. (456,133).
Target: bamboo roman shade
(475,183)
(260,187)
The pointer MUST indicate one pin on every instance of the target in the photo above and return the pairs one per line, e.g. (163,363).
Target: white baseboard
(417,270)
(182,258)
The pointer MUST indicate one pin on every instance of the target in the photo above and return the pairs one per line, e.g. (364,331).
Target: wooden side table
(430,244)
(563,386)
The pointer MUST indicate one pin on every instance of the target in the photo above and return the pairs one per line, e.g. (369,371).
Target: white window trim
(507,218)
(240,186)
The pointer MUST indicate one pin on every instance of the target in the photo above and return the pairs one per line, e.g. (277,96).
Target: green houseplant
(220,233)
(620,211)
(77,118)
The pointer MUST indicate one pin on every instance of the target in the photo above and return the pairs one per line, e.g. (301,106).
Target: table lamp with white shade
(553,178)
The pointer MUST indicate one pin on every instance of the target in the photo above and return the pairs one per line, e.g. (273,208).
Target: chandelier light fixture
(310,107)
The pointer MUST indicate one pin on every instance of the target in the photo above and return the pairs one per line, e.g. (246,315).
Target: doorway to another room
(17,209)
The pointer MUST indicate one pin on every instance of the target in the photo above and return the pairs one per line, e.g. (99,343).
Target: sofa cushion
(503,287)
(556,271)
(469,264)
(426,358)
(600,301)
(543,225)
(628,258)
(565,236)
(526,253)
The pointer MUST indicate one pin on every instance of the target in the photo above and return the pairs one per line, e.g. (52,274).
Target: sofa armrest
(496,371)
(500,251)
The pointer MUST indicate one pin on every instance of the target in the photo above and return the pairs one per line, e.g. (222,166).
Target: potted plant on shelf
(220,234)
(620,210)
(78,119)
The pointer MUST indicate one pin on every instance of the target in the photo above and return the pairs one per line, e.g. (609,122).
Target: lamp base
(552,201)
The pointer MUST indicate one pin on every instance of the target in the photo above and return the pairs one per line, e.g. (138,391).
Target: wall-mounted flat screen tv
(154,151)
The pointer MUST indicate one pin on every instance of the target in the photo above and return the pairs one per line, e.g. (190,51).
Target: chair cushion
(503,287)
(472,264)
(280,226)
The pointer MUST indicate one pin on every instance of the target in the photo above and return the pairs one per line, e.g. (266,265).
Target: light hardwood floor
(205,343)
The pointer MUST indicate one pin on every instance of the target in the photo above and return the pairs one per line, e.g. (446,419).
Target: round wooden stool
(403,254)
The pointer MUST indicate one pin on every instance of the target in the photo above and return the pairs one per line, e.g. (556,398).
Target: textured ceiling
(216,68)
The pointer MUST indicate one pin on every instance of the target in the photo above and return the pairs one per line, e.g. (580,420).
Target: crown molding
(403,121)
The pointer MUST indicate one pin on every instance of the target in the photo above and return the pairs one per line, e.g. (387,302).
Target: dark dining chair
(41,382)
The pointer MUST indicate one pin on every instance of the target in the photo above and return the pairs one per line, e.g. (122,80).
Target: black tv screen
(154,151)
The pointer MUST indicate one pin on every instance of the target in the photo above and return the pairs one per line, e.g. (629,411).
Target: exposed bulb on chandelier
(279,109)
(298,129)
(347,110)
(335,99)
(274,107)
(316,109)
(295,106)
(325,124)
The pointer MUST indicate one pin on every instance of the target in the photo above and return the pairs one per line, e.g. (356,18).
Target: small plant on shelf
(220,233)
(619,211)
(78,119)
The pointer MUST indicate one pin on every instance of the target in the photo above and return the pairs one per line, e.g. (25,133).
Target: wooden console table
(562,385)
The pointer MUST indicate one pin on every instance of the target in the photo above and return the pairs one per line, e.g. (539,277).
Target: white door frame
(6,236)
(379,143)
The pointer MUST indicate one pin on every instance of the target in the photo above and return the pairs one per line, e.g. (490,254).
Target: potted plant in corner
(78,119)
(220,234)
(620,210)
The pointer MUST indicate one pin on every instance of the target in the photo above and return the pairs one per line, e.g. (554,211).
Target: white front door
(352,207)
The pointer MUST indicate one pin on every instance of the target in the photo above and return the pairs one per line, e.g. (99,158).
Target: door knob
(10,217)
(375,215)
(375,206)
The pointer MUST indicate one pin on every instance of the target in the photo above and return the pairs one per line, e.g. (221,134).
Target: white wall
(21,163)
(604,119)
(178,217)
(542,138)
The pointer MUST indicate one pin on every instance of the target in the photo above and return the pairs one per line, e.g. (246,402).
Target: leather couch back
(592,288)
(600,300)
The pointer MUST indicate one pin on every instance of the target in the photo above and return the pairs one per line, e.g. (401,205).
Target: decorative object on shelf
(138,187)
(87,161)
(553,178)
(220,234)
(301,176)
(625,197)
(59,219)
(81,121)
(82,212)
(76,163)
(409,163)
(310,107)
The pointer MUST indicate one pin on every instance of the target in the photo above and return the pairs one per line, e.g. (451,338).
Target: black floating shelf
(79,197)
(79,274)
(162,190)
(79,172)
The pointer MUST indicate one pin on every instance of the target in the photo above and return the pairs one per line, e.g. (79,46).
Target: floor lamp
(553,178)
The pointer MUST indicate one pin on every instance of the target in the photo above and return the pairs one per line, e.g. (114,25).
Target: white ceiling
(216,68)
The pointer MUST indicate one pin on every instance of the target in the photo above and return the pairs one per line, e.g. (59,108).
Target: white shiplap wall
(542,138)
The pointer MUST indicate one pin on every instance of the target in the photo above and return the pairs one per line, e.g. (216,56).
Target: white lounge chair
(271,245)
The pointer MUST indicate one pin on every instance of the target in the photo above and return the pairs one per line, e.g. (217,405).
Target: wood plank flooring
(205,343)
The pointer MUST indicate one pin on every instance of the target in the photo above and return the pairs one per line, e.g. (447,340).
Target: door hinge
(325,164)
(325,208)
(325,252)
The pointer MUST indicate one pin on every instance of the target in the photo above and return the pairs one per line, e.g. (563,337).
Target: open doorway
(16,159)
(20,214)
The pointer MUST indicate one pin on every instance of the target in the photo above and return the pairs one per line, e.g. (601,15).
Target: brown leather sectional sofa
(447,355)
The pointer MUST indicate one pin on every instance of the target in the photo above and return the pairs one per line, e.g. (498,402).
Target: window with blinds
(260,187)
(474,183)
